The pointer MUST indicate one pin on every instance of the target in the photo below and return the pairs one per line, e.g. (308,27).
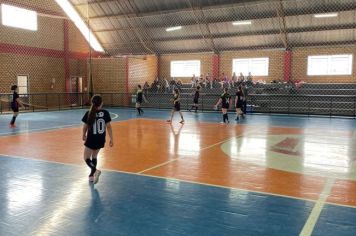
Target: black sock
(13,120)
(91,166)
(94,161)
(227,117)
(138,110)
(196,108)
(224,118)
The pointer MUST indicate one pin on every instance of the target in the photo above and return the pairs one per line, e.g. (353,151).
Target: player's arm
(85,129)
(109,129)
(19,102)
(218,103)
(235,100)
(144,98)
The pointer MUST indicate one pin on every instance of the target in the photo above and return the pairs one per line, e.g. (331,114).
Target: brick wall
(109,75)
(142,70)
(77,42)
(40,70)
(40,54)
(300,67)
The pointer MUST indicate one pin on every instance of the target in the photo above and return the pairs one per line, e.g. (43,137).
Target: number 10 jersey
(96,134)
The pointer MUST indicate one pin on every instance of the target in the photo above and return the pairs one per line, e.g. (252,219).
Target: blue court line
(63,203)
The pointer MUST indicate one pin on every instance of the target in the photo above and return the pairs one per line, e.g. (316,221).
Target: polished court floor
(265,175)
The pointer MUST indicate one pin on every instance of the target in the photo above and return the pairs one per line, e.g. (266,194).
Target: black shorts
(196,100)
(14,108)
(176,106)
(94,146)
(139,101)
(239,104)
(225,106)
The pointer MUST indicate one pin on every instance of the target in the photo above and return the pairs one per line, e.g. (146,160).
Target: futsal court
(284,164)
(267,175)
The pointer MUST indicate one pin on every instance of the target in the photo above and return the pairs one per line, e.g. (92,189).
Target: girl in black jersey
(139,100)
(15,103)
(196,99)
(239,103)
(176,106)
(96,122)
(225,100)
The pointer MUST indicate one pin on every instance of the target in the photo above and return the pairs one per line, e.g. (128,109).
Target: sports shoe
(169,121)
(91,178)
(96,176)
(182,121)
(12,125)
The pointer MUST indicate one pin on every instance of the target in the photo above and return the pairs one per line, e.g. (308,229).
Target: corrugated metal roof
(129,26)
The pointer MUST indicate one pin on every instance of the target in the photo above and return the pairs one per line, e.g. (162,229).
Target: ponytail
(96,102)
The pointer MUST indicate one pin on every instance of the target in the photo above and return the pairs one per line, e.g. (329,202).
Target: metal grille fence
(310,47)
(335,105)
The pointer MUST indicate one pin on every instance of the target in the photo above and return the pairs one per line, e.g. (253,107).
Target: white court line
(42,129)
(175,179)
(318,207)
(166,178)
(174,159)
(115,116)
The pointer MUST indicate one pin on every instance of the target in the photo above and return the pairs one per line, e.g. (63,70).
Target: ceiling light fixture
(325,15)
(174,28)
(246,22)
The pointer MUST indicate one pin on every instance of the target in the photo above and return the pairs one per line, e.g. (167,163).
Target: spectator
(179,85)
(166,85)
(209,81)
(234,80)
(241,78)
(173,83)
(244,99)
(223,78)
(249,79)
(146,86)
(193,81)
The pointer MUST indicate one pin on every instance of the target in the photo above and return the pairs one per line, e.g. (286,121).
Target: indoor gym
(287,168)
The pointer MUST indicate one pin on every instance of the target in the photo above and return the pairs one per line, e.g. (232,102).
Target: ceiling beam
(268,47)
(282,24)
(211,43)
(261,47)
(259,33)
(175,10)
(93,2)
(306,11)
(139,32)
(254,16)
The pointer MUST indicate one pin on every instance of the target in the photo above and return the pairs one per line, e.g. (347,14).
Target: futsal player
(196,99)
(139,99)
(225,100)
(96,122)
(15,103)
(176,106)
(239,103)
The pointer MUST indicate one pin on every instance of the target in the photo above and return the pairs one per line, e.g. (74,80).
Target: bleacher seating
(325,99)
